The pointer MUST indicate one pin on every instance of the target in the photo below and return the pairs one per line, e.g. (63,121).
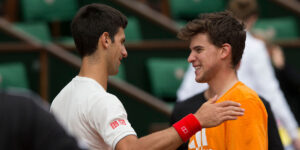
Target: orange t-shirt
(247,132)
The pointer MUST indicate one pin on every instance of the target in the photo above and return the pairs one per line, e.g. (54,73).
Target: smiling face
(117,52)
(205,57)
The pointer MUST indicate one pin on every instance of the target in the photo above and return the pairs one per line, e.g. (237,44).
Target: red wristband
(187,127)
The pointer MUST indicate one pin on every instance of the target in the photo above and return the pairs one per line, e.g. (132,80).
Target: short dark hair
(91,22)
(221,28)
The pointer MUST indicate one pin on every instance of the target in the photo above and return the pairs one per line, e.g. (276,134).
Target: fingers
(229,103)
(213,100)
(226,118)
(232,113)
(234,109)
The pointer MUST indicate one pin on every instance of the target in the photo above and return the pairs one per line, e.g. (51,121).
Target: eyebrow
(197,47)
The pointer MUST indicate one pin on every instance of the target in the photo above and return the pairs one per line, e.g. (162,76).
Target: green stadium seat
(65,40)
(13,75)
(190,9)
(48,10)
(166,75)
(283,27)
(133,30)
(38,30)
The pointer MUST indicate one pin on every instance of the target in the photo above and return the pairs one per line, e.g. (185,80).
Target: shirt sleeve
(250,130)
(109,119)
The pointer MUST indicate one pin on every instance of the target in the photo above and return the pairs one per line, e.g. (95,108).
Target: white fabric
(87,111)
(257,73)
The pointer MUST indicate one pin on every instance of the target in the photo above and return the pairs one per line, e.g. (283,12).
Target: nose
(191,58)
(124,53)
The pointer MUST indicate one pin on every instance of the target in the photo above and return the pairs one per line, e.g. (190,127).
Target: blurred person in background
(288,77)
(255,71)
(287,74)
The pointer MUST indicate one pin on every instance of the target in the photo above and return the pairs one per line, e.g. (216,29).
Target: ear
(104,40)
(225,50)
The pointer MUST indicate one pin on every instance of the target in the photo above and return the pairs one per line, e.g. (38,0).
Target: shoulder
(104,99)
(243,95)
(104,104)
(248,99)
(245,91)
(255,111)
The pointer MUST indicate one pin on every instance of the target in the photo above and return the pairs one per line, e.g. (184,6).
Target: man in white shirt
(255,71)
(97,118)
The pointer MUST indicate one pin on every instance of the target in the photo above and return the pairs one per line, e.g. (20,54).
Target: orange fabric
(247,132)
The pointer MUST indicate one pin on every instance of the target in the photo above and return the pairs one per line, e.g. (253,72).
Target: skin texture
(201,50)
(117,52)
(212,64)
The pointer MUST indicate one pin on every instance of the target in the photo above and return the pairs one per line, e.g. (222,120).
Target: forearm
(167,139)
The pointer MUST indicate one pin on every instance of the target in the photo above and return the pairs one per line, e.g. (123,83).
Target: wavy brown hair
(221,28)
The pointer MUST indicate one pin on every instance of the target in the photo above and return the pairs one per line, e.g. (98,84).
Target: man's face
(117,52)
(204,56)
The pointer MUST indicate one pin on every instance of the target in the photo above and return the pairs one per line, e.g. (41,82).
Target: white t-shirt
(96,118)
(256,72)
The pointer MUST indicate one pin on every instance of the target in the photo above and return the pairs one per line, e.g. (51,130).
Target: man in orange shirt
(217,42)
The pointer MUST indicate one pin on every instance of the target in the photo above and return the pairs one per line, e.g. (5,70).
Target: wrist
(187,127)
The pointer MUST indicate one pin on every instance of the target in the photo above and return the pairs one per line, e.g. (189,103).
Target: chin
(114,73)
(201,80)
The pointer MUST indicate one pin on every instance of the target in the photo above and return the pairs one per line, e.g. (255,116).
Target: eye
(198,50)
(123,42)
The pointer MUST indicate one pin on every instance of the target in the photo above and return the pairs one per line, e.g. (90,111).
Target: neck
(221,83)
(94,69)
